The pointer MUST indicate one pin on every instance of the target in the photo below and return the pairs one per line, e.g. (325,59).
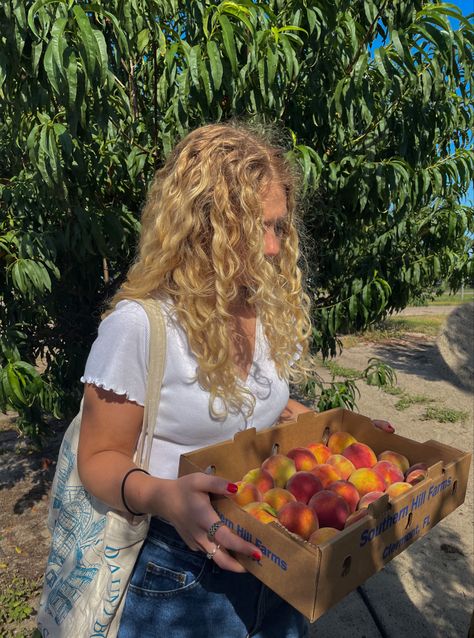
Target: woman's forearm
(102,475)
(292,409)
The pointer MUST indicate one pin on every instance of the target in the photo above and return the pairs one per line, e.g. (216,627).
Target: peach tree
(372,98)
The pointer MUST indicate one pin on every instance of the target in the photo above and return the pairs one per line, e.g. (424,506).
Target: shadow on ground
(419,358)
(21,463)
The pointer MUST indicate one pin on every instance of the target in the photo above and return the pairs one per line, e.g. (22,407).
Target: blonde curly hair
(201,244)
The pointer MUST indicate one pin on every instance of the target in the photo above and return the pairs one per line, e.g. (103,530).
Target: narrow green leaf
(229,43)
(215,63)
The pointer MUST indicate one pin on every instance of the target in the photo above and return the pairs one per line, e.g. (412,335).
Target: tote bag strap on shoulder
(156,366)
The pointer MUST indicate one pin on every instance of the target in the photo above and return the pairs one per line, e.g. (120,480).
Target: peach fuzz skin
(396,458)
(366,480)
(303,458)
(246,493)
(342,465)
(303,485)
(261,511)
(326,474)
(260,478)
(395,489)
(277,497)
(299,519)
(360,454)
(330,508)
(368,498)
(348,492)
(321,452)
(338,441)
(280,467)
(388,472)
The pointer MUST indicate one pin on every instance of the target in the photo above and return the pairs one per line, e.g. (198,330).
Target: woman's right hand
(188,508)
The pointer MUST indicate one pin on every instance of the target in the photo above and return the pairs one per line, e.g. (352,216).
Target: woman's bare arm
(110,429)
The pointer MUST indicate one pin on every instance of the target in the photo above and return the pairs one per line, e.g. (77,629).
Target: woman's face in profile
(274,218)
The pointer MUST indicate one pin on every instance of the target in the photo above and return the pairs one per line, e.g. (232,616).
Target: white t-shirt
(118,361)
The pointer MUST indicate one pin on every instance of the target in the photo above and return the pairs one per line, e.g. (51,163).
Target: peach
(320,451)
(396,458)
(395,489)
(369,498)
(360,454)
(366,480)
(415,476)
(322,535)
(304,459)
(348,492)
(261,511)
(246,493)
(277,497)
(326,474)
(388,472)
(303,485)
(417,466)
(341,465)
(338,441)
(260,478)
(356,516)
(280,467)
(299,519)
(330,508)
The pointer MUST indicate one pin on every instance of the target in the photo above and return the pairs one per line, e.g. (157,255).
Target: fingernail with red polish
(390,428)
(256,556)
(232,488)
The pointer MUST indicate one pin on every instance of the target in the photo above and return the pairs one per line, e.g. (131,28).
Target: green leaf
(229,43)
(215,63)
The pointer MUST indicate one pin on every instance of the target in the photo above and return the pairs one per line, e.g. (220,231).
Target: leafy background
(373,99)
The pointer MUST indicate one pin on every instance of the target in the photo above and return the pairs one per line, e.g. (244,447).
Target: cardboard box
(314,578)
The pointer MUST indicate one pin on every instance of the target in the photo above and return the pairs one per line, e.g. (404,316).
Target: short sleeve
(118,359)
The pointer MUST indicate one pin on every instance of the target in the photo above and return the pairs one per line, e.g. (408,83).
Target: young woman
(219,248)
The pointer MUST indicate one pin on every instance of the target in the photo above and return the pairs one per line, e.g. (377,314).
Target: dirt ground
(25,475)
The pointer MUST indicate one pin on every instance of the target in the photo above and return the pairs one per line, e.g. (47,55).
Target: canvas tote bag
(94,547)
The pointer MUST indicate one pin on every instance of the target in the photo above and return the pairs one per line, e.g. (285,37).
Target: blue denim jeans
(177,593)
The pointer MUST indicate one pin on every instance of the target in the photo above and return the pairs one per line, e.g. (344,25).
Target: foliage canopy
(374,99)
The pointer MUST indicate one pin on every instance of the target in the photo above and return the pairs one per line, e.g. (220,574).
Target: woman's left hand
(383,425)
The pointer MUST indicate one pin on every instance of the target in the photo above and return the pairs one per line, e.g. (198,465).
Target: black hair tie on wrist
(122,490)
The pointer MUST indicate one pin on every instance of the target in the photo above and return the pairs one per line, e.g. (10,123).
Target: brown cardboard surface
(311,578)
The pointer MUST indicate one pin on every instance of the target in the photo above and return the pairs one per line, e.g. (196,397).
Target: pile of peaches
(318,490)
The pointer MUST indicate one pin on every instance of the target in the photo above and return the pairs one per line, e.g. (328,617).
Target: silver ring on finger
(211,532)
(210,555)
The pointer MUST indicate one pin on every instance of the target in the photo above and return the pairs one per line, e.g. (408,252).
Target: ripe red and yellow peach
(348,492)
(326,474)
(246,493)
(388,472)
(396,458)
(365,480)
(360,454)
(303,485)
(322,535)
(303,458)
(277,497)
(299,519)
(330,508)
(261,511)
(280,467)
(320,451)
(338,441)
(415,476)
(369,498)
(395,489)
(342,465)
(262,479)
